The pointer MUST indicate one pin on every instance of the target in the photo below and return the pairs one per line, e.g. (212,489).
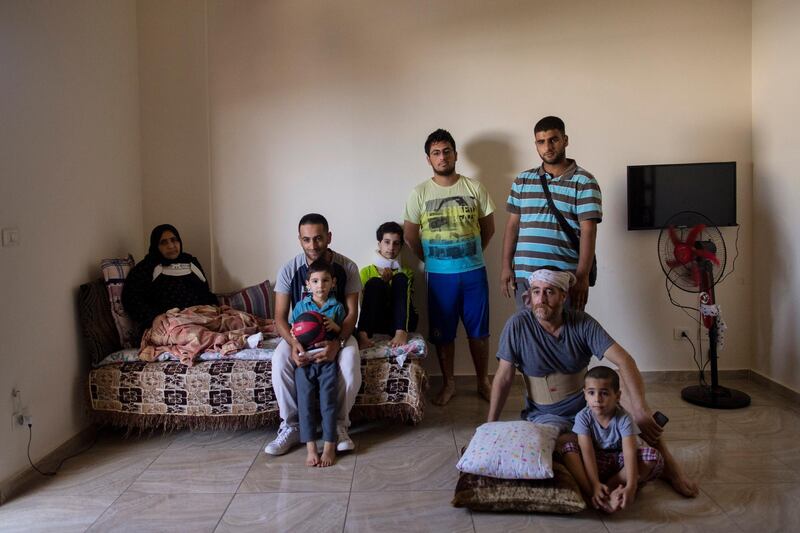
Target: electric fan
(693,259)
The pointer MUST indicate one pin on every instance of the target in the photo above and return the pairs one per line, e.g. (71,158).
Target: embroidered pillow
(114,273)
(511,450)
(558,495)
(415,347)
(254,300)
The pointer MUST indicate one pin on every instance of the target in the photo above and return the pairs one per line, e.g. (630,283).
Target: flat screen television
(657,192)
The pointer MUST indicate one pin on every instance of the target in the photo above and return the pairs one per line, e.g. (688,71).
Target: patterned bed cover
(233,393)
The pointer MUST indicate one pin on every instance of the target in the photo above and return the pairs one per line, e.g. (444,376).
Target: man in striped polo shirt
(533,238)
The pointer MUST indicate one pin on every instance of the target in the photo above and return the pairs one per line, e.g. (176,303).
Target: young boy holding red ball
(312,379)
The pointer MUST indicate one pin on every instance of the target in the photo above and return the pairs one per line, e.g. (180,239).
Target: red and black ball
(309,328)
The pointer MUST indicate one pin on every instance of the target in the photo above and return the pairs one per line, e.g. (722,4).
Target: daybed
(224,392)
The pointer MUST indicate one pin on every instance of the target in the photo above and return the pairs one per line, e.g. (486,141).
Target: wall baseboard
(681,376)
(778,388)
(16,484)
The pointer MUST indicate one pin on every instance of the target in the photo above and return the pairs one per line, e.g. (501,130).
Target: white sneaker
(287,437)
(345,443)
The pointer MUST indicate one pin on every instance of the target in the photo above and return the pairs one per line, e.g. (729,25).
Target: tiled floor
(401,478)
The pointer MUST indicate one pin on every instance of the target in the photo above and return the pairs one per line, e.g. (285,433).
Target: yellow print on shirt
(450,227)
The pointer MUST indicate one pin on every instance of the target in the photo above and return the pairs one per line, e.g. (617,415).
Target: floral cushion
(511,450)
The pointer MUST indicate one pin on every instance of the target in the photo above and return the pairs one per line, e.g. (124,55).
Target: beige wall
(173,88)
(776,84)
(326,107)
(69,161)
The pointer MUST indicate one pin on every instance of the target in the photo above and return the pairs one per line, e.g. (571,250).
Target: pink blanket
(186,333)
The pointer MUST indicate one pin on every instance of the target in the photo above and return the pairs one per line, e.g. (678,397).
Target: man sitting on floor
(552,347)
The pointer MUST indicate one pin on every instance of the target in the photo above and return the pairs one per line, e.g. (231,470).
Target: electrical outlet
(10,237)
(16,399)
(17,420)
(21,420)
(680,333)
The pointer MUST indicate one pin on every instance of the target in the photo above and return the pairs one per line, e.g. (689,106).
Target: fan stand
(716,396)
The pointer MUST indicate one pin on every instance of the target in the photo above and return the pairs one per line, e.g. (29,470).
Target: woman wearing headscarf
(168,294)
(166,278)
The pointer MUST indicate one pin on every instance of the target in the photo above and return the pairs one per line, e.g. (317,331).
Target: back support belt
(553,387)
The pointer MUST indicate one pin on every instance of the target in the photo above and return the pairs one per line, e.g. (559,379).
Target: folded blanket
(186,333)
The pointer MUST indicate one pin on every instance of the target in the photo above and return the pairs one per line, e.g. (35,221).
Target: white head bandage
(556,278)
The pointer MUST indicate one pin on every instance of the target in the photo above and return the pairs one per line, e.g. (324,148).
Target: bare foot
(364,342)
(312,458)
(485,389)
(615,500)
(601,505)
(684,486)
(328,454)
(446,394)
(400,338)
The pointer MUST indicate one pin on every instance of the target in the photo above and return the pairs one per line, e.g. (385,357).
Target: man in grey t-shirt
(552,347)
(314,237)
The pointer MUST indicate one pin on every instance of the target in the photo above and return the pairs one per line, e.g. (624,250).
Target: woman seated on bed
(166,278)
(168,295)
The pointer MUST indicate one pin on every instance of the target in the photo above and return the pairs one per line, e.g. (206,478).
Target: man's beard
(446,172)
(556,159)
(322,254)
(544,312)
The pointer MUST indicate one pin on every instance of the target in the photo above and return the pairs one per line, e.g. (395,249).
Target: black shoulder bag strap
(573,238)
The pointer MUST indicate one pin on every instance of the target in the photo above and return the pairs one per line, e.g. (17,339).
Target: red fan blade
(707,255)
(694,233)
(674,236)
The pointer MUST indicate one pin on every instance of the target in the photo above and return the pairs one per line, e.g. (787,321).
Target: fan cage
(681,275)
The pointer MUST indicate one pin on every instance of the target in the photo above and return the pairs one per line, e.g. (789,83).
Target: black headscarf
(154,254)
(144,298)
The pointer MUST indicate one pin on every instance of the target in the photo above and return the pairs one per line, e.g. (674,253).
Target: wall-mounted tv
(657,192)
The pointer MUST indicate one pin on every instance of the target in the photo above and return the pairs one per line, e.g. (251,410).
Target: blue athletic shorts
(454,296)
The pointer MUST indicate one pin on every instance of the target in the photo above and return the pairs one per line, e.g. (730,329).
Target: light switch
(10,237)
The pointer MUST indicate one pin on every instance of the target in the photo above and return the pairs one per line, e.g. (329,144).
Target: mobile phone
(660,418)
(309,354)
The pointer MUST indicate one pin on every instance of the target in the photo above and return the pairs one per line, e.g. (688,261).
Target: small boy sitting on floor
(323,377)
(386,305)
(607,435)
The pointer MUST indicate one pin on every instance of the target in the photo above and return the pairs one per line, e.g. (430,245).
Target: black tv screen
(658,192)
